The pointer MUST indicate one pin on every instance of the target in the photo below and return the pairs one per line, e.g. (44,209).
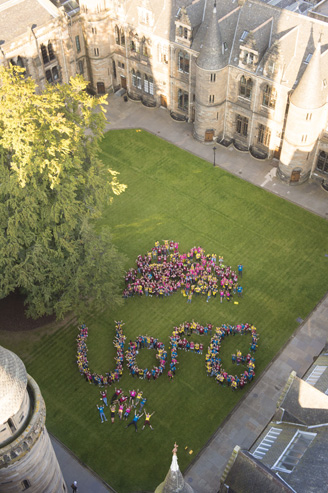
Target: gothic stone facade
(230,67)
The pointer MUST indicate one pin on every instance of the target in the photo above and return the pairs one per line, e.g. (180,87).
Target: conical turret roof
(210,56)
(13,381)
(310,92)
(174,481)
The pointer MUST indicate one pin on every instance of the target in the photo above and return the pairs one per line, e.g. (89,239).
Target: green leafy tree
(53,188)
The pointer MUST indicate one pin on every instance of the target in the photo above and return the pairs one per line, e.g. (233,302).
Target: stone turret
(27,458)
(174,481)
(211,83)
(305,121)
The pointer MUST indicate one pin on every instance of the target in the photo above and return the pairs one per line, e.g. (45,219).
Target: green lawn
(174,195)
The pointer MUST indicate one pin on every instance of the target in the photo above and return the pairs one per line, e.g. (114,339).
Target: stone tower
(27,459)
(211,83)
(305,120)
(174,481)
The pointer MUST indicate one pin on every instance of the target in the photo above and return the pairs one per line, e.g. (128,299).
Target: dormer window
(243,36)
(271,66)
(224,46)
(145,16)
(183,32)
(249,58)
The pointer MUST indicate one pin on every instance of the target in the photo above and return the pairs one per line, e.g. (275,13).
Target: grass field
(174,195)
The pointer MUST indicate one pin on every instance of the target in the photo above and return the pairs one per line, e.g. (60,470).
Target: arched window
(138,80)
(51,51)
(182,100)
(26,484)
(186,63)
(122,37)
(245,87)
(134,78)
(269,96)
(183,62)
(55,73)
(20,62)
(133,46)
(146,84)
(44,54)
(117,35)
(322,163)
(48,76)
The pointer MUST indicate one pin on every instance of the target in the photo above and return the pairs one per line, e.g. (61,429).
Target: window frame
(245,87)
(324,160)
(269,97)
(77,43)
(183,100)
(183,62)
(283,459)
(242,125)
(264,135)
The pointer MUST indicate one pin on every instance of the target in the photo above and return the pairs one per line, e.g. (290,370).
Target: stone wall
(29,460)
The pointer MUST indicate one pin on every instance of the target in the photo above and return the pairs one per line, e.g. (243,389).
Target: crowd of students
(163,270)
(121,405)
(149,343)
(213,362)
(82,358)
(179,340)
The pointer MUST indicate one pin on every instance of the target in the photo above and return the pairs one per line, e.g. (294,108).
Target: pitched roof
(17,15)
(310,92)
(307,404)
(248,475)
(211,57)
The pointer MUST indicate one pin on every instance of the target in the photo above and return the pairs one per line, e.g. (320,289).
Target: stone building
(290,453)
(251,73)
(27,459)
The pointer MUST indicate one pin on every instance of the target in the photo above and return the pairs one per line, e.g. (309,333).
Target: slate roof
(310,92)
(17,15)
(303,412)
(306,403)
(272,31)
(311,473)
(211,56)
(248,475)
(321,383)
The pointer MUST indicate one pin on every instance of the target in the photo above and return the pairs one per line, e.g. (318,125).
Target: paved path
(310,195)
(74,470)
(256,409)
(253,413)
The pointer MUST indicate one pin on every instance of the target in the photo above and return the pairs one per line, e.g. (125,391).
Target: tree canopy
(53,188)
